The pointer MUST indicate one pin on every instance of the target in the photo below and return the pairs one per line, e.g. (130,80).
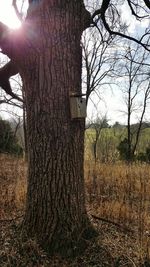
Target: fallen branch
(126,229)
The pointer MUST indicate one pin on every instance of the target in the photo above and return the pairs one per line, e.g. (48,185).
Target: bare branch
(3,101)
(133,12)
(18,14)
(103,9)
(7,41)
(147,3)
(101,13)
(6,72)
(13,42)
(122,34)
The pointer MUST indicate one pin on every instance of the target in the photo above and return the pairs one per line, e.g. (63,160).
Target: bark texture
(51,70)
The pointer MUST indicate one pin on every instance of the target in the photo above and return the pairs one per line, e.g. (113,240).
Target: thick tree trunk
(55,211)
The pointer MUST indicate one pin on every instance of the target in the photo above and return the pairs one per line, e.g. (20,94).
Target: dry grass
(12,185)
(118,193)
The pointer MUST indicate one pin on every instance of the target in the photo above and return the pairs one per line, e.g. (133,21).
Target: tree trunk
(25,133)
(51,71)
(129,148)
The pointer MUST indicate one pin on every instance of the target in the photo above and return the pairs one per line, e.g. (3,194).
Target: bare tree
(46,52)
(97,125)
(99,61)
(134,73)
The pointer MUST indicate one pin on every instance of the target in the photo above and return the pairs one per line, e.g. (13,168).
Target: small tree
(97,125)
(98,62)
(135,87)
(8,140)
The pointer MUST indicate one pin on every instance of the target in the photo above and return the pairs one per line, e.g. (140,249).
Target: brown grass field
(118,203)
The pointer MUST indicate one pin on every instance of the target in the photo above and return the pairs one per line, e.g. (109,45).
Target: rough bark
(47,53)
(51,71)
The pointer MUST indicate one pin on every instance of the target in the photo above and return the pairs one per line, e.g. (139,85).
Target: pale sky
(131,21)
(7,14)
(113,99)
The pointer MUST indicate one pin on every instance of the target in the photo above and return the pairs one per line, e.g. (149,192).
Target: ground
(107,250)
(117,204)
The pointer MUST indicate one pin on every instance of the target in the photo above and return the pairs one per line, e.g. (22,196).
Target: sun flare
(8,16)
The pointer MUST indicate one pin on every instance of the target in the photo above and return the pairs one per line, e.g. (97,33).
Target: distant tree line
(110,142)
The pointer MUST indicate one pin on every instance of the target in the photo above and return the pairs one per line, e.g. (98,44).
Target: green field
(109,140)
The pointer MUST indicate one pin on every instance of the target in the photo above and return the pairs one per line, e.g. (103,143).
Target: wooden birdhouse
(77,107)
